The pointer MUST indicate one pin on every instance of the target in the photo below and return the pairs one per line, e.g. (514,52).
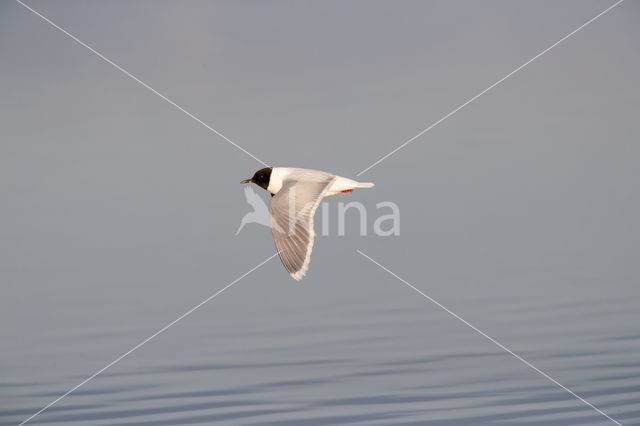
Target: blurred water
(354,364)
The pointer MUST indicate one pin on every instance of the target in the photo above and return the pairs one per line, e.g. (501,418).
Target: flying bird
(296,194)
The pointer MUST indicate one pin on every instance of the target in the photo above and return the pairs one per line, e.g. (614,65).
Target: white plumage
(296,196)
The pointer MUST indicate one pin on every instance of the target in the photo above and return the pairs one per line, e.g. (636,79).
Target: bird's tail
(342,184)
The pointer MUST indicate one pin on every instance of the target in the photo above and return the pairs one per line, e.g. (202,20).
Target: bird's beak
(246,181)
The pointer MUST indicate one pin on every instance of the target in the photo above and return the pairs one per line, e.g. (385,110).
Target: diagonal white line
(133,77)
(500,345)
(148,339)
(490,87)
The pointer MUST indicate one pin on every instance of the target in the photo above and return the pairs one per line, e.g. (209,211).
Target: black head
(260,178)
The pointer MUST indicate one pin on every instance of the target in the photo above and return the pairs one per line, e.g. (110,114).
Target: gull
(296,194)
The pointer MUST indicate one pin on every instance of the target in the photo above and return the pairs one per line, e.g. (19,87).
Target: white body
(340,184)
(297,194)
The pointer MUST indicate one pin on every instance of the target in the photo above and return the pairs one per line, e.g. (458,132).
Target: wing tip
(300,273)
(298,276)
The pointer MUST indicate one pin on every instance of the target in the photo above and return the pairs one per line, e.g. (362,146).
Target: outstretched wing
(292,210)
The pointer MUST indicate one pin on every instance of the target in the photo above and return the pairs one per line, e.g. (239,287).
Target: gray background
(519,213)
